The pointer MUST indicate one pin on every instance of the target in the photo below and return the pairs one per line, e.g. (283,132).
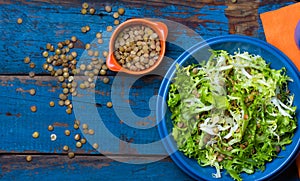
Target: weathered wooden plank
(18,122)
(60,167)
(51,22)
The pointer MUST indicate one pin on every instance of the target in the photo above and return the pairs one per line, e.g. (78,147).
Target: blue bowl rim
(163,92)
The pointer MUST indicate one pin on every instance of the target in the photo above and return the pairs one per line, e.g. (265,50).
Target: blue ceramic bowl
(230,43)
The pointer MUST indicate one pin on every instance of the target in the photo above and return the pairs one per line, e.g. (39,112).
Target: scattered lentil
(31,74)
(83,140)
(73,38)
(85,5)
(83,11)
(65,148)
(51,104)
(45,54)
(26,60)
(91,131)
(32,92)
(116,15)
(67,132)
(71,155)
(69,111)
(100,41)
(78,144)
(50,128)
(108,9)
(109,28)
(95,146)
(28,158)
(35,134)
(76,126)
(121,11)
(109,104)
(33,108)
(92,10)
(83,29)
(98,35)
(116,22)
(19,20)
(32,65)
(105,80)
(84,126)
(87,46)
(87,28)
(53,137)
(77,137)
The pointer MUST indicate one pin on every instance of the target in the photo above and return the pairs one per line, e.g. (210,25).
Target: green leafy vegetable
(233,113)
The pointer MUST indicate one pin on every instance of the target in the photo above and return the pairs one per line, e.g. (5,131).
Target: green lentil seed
(26,60)
(71,155)
(53,137)
(85,5)
(83,140)
(35,134)
(83,11)
(73,38)
(98,35)
(116,15)
(121,11)
(84,126)
(67,132)
(108,9)
(51,104)
(31,74)
(83,29)
(109,28)
(32,65)
(78,144)
(95,146)
(91,131)
(105,53)
(61,102)
(109,104)
(28,158)
(45,54)
(77,137)
(33,108)
(32,92)
(50,128)
(100,41)
(92,10)
(105,80)
(76,126)
(87,46)
(102,72)
(116,22)
(66,148)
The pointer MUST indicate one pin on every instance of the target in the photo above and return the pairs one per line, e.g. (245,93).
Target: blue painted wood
(53,21)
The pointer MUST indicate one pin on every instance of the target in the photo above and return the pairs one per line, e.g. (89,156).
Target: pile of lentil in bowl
(137,47)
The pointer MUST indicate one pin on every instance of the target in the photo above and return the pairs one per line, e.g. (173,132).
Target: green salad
(233,112)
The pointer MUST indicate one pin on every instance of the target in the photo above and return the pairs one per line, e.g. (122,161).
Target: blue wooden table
(51,22)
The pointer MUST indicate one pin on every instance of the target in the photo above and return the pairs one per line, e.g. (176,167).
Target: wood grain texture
(57,167)
(51,21)
(22,122)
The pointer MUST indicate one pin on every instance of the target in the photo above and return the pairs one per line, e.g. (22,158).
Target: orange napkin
(279,27)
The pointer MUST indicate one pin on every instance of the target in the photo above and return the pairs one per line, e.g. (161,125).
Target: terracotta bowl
(160,28)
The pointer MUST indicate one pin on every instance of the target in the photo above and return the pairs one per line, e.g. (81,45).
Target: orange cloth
(279,27)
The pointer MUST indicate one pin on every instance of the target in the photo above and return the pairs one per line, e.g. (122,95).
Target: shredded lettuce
(233,113)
